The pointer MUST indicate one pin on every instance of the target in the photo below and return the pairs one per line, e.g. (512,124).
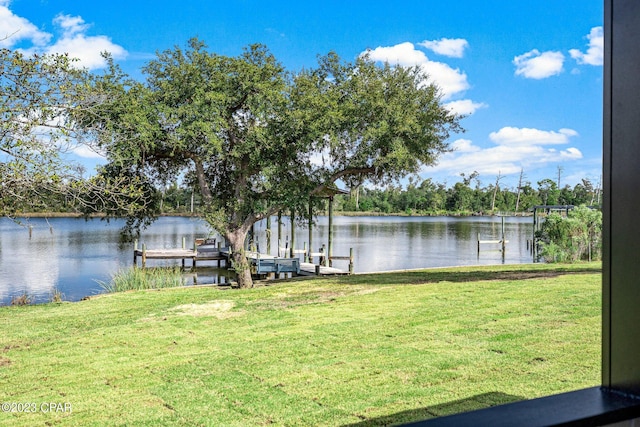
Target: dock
(261,264)
(309,269)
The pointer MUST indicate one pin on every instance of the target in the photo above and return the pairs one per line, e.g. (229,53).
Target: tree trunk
(239,260)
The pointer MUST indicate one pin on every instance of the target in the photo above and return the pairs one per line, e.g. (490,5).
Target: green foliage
(37,95)
(431,198)
(578,236)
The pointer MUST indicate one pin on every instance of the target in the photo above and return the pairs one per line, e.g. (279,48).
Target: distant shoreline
(346,213)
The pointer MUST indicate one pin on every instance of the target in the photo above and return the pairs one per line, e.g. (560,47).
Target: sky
(527,75)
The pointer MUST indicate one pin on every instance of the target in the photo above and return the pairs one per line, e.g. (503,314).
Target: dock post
(350,260)
(503,241)
(279,230)
(306,252)
(324,259)
(310,230)
(184,246)
(478,244)
(330,232)
(533,239)
(293,234)
(144,255)
(135,250)
(195,251)
(268,233)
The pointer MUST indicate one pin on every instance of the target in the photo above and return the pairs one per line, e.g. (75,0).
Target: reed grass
(56,295)
(22,299)
(137,279)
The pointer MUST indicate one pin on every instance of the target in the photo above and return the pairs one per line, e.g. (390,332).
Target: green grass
(360,350)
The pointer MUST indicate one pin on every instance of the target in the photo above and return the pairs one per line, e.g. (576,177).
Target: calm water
(72,255)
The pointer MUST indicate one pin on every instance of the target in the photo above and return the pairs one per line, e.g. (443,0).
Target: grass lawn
(362,350)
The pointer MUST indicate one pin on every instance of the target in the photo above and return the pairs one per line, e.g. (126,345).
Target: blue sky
(527,74)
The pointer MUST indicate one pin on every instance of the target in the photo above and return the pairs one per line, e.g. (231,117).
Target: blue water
(74,255)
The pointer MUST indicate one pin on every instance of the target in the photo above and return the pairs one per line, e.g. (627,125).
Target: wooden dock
(309,269)
(201,252)
(261,264)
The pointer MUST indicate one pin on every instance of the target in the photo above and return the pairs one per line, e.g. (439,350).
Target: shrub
(56,296)
(578,236)
(23,299)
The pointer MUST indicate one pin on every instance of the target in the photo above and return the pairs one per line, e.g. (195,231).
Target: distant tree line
(467,197)
(427,197)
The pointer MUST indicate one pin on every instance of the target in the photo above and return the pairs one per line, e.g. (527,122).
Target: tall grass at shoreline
(137,279)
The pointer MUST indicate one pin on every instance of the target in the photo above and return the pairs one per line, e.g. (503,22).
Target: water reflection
(78,253)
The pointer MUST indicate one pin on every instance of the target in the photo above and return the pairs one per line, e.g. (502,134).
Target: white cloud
(14,29)
(453,48)
(73,38)
(514,149)
(464,107)
(451,81)
(464,146)
(70,25)
(87,152)
(595,52)
(528,136)
(75,42)
(537,65)
(404,54)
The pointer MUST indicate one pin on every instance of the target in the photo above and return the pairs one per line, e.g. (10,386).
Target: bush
(578,236)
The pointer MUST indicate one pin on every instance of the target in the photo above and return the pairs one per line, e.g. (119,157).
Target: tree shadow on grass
(480,401)
(460,275)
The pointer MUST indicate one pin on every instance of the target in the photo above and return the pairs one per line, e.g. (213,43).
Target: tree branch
(341,174)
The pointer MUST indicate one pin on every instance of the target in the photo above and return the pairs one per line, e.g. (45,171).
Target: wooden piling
(503,241)
(350,260)
(268,233)
(330,231)
(308,258)
(293,233)
(279,230)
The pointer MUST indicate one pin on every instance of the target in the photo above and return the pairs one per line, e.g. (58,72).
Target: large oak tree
(255,139)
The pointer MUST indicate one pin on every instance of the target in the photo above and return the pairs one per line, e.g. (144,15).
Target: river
(73,255)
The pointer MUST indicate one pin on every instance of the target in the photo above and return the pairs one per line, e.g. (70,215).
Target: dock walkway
(262,263)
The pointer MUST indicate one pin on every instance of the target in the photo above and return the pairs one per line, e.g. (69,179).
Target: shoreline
(345,213)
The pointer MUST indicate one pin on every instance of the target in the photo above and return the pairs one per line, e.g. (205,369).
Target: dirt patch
(4,362)
(316,296)
(218,309)
(367,291)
